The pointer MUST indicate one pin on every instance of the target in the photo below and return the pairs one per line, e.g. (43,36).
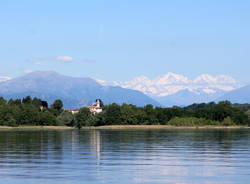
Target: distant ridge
(74,91)
(240,95)
(187,97)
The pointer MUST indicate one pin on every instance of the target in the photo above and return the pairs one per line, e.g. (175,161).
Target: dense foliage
(223,113)
(28,111)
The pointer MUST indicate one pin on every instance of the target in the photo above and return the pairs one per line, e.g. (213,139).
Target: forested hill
(75,92)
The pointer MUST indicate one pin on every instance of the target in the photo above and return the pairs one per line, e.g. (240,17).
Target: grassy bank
(118,127)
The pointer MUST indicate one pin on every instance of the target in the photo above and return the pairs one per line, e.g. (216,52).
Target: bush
(47,118)
(65,118)
(191,121)
(248,115)
(228,122)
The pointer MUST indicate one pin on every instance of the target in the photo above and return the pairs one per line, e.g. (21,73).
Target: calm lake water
(125,156)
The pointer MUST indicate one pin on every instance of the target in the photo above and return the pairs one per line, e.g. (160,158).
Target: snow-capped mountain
(203,88)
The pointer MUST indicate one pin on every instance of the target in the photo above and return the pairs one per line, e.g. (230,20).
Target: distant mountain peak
(171,78)
(171,83)
(43,73)
(203,88)
(220,79)
(240,95)
(75,92)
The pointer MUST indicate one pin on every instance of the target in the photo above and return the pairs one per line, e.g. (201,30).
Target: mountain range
(174,89)
(167,90)
(74,92)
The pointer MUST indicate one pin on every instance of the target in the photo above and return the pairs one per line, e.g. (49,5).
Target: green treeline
(222,113)
(28,111)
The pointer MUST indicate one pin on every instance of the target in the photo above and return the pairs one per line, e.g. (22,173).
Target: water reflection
(114,156)
(95,141)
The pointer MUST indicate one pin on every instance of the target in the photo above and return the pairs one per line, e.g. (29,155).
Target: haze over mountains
(75,92)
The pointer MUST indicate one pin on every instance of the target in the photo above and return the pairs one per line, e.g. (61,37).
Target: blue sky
(119,40)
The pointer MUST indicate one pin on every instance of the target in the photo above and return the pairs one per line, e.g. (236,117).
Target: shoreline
(122,127)
(160,127)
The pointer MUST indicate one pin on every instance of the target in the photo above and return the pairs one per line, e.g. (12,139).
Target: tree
(29,115)
(163,115)
(47,118)
(225,103)
(128,114)
(37,102)
(151,115)
(248,115)
(57,104)
(2,101)
(239,117)
(112,114)
(98,119)
(227,121)
(8,115)
(11,102)
(82,117)
(27,100)
(56,107)
(17,102)
(65,118)
(44,104)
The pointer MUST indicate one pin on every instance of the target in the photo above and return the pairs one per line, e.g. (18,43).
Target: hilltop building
(96,107)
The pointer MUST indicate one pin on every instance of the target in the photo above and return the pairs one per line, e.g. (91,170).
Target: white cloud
(40,60)
(61,59)
(28,71)
(38,63)
(64,58)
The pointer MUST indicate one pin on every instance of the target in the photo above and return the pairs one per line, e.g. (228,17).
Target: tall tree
(2,101)
(37,102)
(112,114)
(56,107)
(27,100)
(82,117)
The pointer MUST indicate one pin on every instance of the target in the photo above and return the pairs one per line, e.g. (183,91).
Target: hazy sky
(119,40)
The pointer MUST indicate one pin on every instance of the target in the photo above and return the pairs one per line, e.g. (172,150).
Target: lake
(172,156)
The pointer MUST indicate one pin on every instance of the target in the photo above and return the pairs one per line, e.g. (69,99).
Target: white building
(96,107)
(73,111)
